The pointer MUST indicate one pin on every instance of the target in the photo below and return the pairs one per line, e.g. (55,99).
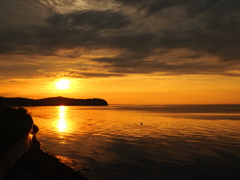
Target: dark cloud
(84,75)
(93,19)
(131,64)
(191,7)
(206,28)
(153,6)
(28,12)
(101,75)
(78,29)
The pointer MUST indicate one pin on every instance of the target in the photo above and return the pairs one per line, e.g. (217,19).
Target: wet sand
(38,165)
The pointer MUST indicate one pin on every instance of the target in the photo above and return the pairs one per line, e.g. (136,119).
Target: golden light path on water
(62,124)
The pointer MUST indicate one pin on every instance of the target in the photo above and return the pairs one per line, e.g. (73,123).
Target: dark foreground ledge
(38,165)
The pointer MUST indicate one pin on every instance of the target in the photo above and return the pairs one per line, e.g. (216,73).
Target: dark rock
(38,165)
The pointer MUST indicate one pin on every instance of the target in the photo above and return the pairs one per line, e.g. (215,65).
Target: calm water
(144,142)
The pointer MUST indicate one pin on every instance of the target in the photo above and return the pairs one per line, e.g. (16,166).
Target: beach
(38,165)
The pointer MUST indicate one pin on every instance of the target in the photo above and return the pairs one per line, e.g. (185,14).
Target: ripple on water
(111,142)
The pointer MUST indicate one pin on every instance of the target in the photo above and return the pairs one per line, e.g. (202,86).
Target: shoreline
(37,164)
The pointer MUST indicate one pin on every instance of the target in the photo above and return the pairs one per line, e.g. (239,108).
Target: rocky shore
(38,165)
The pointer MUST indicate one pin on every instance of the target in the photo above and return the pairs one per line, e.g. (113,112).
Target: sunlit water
(143,142)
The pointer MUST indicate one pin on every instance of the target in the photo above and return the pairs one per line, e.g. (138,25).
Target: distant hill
(51,101)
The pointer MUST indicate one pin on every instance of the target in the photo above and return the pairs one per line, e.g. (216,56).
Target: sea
(143,142)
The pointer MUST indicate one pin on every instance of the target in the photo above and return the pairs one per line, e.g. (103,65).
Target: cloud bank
(165,37)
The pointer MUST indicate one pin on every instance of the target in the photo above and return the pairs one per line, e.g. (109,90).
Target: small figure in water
(140,123)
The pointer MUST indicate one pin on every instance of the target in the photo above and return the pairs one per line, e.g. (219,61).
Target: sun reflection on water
(62,124)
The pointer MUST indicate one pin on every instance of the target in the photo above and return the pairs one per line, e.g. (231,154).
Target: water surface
(143,142)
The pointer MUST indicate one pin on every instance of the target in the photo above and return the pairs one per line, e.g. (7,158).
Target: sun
(62,84)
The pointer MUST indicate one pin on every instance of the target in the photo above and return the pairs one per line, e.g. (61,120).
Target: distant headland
(51,101)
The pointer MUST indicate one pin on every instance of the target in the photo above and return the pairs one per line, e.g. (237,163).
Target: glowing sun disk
(62,84)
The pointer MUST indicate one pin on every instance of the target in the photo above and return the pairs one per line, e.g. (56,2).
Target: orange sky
(133,89)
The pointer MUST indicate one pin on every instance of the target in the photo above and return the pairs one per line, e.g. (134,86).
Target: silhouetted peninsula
(51,101)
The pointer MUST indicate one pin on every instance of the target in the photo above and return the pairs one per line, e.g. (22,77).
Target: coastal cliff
(52,101)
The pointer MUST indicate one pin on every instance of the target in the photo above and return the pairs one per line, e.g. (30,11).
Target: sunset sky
(124,51)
